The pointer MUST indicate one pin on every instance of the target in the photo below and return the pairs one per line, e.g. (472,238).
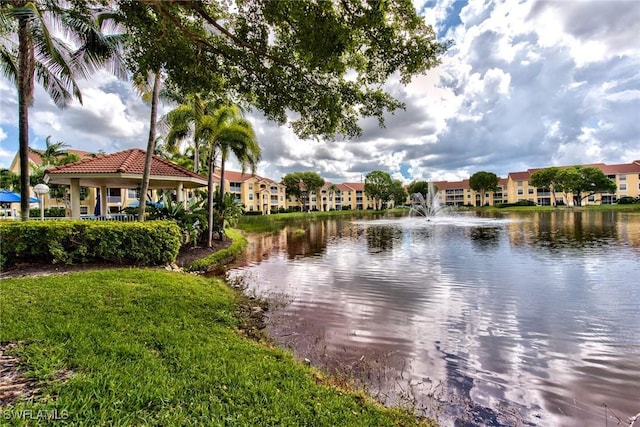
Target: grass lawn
(151,347)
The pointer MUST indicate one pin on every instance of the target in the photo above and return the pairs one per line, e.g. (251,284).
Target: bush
(48,213)
(628,200)
(518,203)
(76,241)
(253,213)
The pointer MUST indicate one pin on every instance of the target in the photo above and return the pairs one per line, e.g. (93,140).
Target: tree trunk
(220,202)
(26,70)
(210,202)
(144,188)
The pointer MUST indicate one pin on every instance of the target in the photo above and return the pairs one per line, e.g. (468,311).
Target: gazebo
(123,169)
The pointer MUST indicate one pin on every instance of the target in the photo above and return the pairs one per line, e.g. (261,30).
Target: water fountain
(429,206)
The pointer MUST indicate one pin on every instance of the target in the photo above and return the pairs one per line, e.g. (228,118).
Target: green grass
(223,256)
(152,347)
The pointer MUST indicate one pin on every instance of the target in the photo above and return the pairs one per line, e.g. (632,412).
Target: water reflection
(532,319)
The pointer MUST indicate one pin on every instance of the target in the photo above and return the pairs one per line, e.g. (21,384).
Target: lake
(510,319)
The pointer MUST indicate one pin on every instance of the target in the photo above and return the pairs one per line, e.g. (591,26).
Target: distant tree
(301,185)
(52,152)
(583,182)
(68,158)
(377,186)
(546,178)
(398,193)
(421,187)
(9,180)
(482,182)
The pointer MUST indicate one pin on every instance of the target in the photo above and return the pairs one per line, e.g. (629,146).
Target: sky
(525,84)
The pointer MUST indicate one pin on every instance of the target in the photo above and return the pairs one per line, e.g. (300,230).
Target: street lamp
(41,190)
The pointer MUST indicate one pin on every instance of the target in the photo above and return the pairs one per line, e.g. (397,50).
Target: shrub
(49,212)
(76,241)
(628,200)
(253,213)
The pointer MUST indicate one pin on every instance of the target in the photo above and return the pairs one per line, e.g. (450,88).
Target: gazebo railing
(114,217)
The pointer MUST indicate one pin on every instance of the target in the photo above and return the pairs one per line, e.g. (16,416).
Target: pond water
(513,319)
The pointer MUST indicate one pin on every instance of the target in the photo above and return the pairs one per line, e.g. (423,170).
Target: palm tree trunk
(210,202)
(144,188)
(221,201)
(26,69)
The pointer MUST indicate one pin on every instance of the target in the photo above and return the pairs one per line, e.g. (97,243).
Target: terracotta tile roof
(355,186)
(622,168)
(446,185)
(235,176)
(124,162)
(520,176)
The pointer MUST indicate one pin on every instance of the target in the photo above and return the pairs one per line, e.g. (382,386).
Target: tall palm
(34,53)
(227,132)
(150,92)
(238,138)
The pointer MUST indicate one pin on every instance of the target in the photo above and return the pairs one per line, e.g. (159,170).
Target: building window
(519,183)
(250,196)
(113,195)
(622,187)
(520,191)
(530,190)
(133,193)
(250,186)
(234,186)
(84,210)
(622,177)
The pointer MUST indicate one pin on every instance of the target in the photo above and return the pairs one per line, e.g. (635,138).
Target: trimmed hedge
(223,256)
(77,241)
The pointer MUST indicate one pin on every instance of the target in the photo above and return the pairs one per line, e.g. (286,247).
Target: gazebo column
(103,200)
(180,195)
(75,198)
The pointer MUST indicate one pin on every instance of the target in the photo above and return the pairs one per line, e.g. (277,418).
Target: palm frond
(8,64)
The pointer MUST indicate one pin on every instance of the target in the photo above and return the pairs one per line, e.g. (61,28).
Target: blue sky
(525,84)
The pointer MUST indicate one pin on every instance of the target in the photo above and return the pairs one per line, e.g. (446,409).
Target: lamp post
(41,190)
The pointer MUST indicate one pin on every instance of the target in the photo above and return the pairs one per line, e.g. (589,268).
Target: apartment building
(626,176)
(516,187)
(255,193)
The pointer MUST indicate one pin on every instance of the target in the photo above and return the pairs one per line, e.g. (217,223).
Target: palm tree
(52,152)
(153,95)
(37,54)
(186,123)
(236,136)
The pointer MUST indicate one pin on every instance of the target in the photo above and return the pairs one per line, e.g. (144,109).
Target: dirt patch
(188,254)
(13,385)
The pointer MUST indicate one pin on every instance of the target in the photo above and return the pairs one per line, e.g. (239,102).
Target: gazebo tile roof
(129,162)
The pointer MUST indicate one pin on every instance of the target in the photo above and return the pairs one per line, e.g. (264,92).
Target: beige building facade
(516,187)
